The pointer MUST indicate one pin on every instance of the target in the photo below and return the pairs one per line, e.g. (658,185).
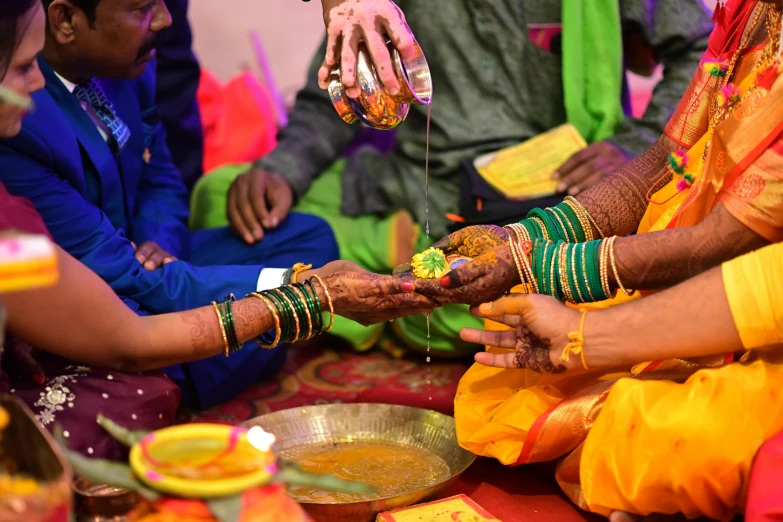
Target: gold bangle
(564,273)
(587,214)
(583,221)
(515,257)
(526,266)
(226,349)
(541,226)
(584,272)
(576,343)
(282,295)
(303,299)
(328,300)
(613,262)
(604,260)
(275,316)
(555,212)
(298,269)
(581,215)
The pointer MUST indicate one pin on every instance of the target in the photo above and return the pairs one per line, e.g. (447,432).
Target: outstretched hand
(372,298)
(541,326)
(483,279)
(351,22)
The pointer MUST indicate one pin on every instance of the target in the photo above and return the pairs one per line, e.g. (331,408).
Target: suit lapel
(112,200)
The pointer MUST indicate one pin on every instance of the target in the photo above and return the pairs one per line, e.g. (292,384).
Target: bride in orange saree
(729,122)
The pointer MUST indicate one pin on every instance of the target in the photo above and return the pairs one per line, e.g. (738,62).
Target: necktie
(91,93)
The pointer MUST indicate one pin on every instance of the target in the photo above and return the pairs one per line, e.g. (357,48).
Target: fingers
(589,182)
(496,360)
(401,35)
(145,251)
(156,259)
(501,339)
(348,58)
(332,52)
(512,320)
(403,270)
(280,199)
(450,242)
(251,197)
(235,217)
(575,169)
(379,53)
(514,305)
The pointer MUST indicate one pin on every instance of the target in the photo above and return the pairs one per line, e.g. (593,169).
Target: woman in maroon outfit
(92,354)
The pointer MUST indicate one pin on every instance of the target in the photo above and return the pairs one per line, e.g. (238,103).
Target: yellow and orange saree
(603,430)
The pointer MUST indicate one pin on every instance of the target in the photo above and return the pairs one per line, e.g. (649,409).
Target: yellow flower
(430,264)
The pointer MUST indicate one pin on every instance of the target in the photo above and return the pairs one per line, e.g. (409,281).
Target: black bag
(481,204)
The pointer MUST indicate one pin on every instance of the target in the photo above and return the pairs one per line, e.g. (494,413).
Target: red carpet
(327,374)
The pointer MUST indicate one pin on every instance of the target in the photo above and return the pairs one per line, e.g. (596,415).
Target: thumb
(515,304)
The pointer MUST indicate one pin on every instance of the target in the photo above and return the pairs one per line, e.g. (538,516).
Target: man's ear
(64,19)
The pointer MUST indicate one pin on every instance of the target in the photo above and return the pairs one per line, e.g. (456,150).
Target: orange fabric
(238,120)
(520,417)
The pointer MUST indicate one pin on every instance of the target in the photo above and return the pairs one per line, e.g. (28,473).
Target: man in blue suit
(93,160)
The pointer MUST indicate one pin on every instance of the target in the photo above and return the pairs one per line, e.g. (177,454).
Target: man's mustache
(148,46)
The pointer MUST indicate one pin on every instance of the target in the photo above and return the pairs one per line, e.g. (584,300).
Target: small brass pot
(375,107)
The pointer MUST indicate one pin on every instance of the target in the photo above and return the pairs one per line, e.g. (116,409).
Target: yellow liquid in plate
(390,469)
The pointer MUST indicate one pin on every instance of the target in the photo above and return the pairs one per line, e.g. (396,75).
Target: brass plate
(385,424)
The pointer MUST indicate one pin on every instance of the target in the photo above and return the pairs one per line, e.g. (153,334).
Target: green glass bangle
(566,209)
(594,270)
(581,273)
(319,311)
(314,315)
(298,310)
(573,279)
(533,229)
(540,251)
(551,227)
(561,225)
(286,319)
(233,342)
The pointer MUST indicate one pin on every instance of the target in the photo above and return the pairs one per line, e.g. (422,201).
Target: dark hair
(88,6)
(10,13)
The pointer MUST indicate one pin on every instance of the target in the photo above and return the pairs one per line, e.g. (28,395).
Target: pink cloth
(238,120)
(765,491)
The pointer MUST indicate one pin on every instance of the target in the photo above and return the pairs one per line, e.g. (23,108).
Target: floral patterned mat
(328,373)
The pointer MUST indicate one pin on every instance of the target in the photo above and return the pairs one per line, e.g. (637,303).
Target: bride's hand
(372,298)
(541,326)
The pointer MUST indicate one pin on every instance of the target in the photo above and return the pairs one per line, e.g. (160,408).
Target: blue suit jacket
(95,204)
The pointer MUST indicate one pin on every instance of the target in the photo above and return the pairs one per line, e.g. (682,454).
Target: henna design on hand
(619,201)
(473,241)
(667,257)
(532,353)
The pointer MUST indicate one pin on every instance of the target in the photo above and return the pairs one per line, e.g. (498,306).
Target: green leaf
(290,474)
(226,509)
(122,435)
(13,98)
(102,471)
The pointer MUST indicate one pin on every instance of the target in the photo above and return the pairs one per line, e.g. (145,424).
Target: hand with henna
(371,298)
(541,326)
(483,279)
(469,242)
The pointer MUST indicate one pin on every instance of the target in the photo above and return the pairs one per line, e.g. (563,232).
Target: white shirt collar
(68,85)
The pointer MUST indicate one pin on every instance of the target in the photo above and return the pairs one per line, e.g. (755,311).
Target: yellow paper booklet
(525,171)
(453,509)
(27,262)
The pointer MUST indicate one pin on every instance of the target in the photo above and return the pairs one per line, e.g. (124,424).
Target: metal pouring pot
(375,107)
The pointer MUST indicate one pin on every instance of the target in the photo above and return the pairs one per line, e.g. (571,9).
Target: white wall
(290,30)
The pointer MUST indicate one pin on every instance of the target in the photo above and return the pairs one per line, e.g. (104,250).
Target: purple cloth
(72,396)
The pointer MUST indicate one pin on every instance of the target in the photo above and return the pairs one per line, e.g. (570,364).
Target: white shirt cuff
(270,278)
